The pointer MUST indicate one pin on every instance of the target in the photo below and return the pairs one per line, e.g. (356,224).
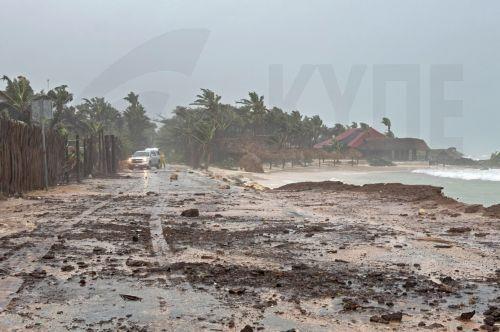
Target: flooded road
(131,254)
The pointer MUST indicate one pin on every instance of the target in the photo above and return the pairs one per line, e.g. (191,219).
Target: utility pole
(45,166)
(42,110)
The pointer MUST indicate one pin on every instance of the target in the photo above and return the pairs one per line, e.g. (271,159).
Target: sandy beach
(467,185)
(276,177)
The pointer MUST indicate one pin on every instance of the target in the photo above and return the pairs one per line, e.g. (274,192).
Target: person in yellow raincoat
(162,160)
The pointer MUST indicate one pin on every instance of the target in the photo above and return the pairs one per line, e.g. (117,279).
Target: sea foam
(464,174)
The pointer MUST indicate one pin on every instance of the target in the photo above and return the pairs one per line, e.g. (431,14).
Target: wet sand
(117,254)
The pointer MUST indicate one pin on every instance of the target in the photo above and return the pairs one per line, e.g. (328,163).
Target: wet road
(118,255)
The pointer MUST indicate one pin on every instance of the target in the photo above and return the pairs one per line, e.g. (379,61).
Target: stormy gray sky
(77,42)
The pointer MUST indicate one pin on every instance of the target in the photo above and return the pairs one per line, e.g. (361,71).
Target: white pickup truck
(144,159)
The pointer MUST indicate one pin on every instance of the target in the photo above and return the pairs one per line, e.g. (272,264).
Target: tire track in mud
(160,246)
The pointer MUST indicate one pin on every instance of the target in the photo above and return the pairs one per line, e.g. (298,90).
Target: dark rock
(491,316)
(443,246)
(98,250)
(459,230)
(393,317)
(49,255)
(350,305)
(378,319)
(190,213)
(135,238)
(136,263)
(38,273)
(127,297)
(237,291)
(447,280)
(67,268)
(387,318)
(247,328)
(82,265)
(466,315)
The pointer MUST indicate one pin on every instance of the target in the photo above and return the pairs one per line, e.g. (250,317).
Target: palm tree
(60,97)
(138,124)
(354,125)
(17,97)
(316,128)
(338,129)
(208,100)
(99,115)
(387,122)
(255,104)
(277,123)
(364,126)
(208,122)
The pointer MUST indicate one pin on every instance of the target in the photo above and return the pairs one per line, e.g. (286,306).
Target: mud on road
(120,254)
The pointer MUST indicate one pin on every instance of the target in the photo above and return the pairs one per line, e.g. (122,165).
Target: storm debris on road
(310,256)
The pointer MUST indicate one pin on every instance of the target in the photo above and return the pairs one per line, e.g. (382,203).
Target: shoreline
(474,191)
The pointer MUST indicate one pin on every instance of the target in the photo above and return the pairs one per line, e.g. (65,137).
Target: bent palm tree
(60,97)
(209,122)
(255,104)
(17,97)
(387,122)
(138,123)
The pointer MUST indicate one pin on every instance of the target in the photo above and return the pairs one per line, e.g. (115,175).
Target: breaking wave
(463,174)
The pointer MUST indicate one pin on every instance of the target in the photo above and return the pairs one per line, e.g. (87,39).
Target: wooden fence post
(85,158)
(77,153)
(108,154)
(66,159)
(91,155)
(100,154)
(113,154)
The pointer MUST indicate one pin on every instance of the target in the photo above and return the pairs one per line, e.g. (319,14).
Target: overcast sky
(75,42)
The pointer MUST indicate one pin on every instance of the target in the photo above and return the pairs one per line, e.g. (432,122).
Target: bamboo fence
(21,157)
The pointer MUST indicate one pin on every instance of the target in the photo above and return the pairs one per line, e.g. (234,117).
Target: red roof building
(353,138)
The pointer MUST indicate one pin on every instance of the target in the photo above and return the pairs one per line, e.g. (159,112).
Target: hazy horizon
(74,42)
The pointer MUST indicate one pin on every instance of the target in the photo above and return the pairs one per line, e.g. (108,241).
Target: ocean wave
(463,174)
